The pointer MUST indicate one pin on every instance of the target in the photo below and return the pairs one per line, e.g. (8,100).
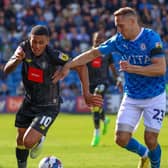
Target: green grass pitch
(69,139)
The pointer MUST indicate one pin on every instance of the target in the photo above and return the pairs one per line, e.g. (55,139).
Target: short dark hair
(40,30)
(125,11)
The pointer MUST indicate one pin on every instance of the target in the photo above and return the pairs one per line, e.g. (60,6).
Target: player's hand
(119,84)
(123,65)
(93,100)
(127,67)
(60,74)
(19,54)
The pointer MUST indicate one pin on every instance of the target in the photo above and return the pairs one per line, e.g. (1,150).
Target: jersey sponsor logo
(158,45)
(35,75)
(137,59)
(97,62)
(63,57)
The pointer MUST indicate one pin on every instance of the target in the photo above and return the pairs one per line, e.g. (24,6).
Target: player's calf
(36,150)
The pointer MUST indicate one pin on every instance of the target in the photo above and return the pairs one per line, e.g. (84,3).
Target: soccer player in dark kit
(99,78)
(41,103)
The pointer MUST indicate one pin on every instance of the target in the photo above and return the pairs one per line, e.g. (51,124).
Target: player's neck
(136,33)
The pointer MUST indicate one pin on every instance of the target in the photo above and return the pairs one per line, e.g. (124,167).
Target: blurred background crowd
(71,24)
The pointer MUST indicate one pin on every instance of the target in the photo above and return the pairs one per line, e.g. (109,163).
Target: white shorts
(131,111)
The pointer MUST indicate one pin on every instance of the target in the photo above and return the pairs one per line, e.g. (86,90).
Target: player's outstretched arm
(90,99)
(61,73)
(85,57)
(117,78)
(82,59)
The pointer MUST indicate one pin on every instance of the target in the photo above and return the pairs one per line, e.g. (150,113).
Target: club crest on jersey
(63,57)
(143,46)
(158,45)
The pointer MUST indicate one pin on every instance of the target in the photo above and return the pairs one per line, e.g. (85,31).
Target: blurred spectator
(13,81)
(20,91)
(29,17)
(65,90)
(3,86)
(40,3)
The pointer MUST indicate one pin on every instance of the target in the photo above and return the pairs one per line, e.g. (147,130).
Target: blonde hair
(126,11)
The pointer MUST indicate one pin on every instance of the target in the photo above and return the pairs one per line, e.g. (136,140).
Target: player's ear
(132,20)
(47,40)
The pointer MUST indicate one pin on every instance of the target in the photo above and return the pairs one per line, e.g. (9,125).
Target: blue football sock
(134,146)
(155,156)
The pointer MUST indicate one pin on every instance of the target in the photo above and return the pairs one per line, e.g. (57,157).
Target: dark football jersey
(99,69)
(37,75)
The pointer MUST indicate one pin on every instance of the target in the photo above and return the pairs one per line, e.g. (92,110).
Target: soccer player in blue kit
(144,67)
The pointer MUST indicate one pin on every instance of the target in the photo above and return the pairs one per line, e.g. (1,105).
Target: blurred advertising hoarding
(75,105)
(11,104)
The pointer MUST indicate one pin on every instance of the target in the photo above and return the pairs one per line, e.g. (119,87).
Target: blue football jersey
(138,52)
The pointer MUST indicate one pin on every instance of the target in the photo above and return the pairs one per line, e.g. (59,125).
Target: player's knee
(19,140)
(121,140)
(151,141)
(28,143)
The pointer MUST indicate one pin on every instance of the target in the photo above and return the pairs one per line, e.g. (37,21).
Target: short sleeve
(156,46)
(108,46)
(57,57)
